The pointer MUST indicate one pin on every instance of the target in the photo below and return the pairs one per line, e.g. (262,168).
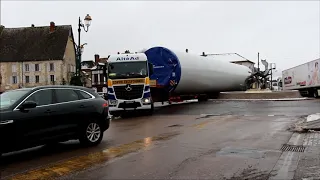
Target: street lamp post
(76,80)
(85,26)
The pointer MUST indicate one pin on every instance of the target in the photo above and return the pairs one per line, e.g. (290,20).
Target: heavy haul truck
(159,74)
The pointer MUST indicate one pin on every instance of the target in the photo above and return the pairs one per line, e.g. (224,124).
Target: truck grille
(135,93)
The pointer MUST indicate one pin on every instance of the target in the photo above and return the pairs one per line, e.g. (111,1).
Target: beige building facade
(50,61)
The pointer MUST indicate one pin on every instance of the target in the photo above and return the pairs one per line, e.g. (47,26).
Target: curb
(284,99)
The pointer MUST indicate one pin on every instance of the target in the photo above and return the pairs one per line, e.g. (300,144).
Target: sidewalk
(309,161)
(300,159)
(282,99)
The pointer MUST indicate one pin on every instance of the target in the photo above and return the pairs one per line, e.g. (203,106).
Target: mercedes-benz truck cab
(129,83)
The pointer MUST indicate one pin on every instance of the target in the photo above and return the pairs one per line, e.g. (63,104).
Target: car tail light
(105,104)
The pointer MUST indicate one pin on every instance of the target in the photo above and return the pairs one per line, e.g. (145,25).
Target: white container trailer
(305,78)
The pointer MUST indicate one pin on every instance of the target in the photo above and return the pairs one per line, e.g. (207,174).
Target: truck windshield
(124,70)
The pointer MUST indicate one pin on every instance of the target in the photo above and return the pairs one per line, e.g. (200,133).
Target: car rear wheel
(92,134)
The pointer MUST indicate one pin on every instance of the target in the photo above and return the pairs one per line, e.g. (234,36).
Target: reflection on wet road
(239,140)
(244,108)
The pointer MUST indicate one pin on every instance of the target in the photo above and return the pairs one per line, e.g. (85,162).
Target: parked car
(43,115)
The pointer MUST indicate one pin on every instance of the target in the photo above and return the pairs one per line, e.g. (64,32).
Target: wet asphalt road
(241,140)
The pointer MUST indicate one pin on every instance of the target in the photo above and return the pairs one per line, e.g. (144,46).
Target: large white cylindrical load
(194,73)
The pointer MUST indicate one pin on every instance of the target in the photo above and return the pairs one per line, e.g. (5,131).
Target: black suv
(43,115)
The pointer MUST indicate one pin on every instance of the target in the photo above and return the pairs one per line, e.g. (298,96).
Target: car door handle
(82,106)
(49,111)
(6,122)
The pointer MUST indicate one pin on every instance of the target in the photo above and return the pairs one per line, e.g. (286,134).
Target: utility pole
(271,78)
(258,84)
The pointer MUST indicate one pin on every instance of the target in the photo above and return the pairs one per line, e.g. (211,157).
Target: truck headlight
(146,101)
(113,102)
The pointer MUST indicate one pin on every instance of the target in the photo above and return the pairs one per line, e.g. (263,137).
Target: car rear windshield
(9,98)
(91,91)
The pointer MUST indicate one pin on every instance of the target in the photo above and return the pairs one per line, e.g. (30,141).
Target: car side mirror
(28,105)
(150,69)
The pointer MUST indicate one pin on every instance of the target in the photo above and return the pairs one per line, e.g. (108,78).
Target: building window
(26,67)
(51,78)
(95,78)
(37,79)
(27,79)
(36,67)
(14,68)
(14,80)
(51,67)
(101,78)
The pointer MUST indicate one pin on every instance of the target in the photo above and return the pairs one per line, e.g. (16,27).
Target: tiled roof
(92,65)
(33,43)
(87,64)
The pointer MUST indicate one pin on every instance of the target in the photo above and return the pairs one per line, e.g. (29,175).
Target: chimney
(32,25)
(187,50)
(52,26)
(96,58)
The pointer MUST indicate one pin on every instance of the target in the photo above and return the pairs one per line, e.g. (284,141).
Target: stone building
(93,70)
(86,68)
(98,80)
(36,55)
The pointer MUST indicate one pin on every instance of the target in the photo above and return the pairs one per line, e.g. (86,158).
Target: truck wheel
(91,134)
(202,98)
(315,93)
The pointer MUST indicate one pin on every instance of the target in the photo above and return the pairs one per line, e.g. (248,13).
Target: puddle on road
(242,152)
(204,116)
(83,162)
(176,125)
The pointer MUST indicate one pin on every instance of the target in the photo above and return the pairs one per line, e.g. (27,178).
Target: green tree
(76,81)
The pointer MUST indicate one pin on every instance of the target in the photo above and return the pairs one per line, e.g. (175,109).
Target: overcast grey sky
(286,32)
